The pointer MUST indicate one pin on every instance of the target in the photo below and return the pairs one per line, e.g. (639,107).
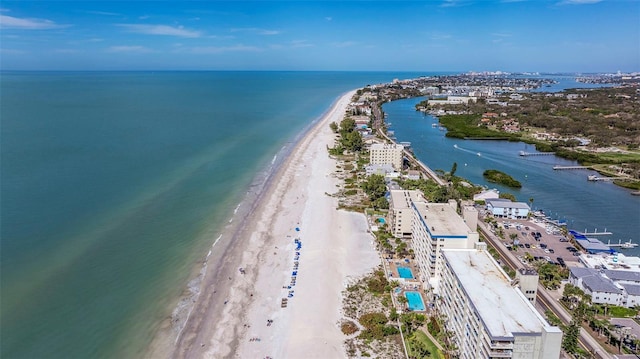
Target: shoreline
(224,305)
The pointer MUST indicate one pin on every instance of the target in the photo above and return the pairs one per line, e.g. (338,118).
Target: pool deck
(393,264)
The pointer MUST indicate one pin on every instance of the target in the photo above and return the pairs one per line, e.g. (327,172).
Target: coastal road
(543,297)
(377,123)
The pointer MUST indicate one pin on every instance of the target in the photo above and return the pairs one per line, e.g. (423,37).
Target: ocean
(115,185)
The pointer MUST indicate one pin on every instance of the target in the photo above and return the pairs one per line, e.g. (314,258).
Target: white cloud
(328,18)
(578,2)
(132,49)
(143,17)
(454,3)
(161,30)
(12,52)
(105,13)
(501,34)
(301,43)
(66,51)
(437,36)
(344,44)
(223,49)
(10,22)
(256,30)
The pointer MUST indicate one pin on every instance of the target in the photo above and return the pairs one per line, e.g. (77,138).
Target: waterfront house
(601,289)
(505,208)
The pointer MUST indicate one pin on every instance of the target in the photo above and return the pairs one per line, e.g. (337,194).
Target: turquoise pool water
(415,301)
(381,220)
(405,272)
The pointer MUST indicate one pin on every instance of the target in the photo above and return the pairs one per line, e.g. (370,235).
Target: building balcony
(501,345)
(500,354)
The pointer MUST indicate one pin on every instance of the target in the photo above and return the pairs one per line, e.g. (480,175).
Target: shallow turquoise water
(114,185)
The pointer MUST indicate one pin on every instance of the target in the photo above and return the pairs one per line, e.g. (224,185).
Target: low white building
(378,169)
(601,289)
(490,317)
(504,208)
(386,153)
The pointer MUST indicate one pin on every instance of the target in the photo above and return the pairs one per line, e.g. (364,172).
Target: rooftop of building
(400,198)
(505,203)
(442,220)
(598,283)
(617,261)
(502,308)
(384,146)
(631,289)
(592,245)
(626,275)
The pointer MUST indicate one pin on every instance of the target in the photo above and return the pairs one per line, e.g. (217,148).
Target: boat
(434,125)
(625,245)
(455,146)
(479,154)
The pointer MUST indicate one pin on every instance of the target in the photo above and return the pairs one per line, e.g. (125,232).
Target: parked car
(551,250)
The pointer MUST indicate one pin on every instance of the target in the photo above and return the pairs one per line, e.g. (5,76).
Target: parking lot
(541,241)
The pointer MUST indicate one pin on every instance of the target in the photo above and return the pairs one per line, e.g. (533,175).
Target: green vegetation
(420,346)
(501,178)
(469,126)
(375,187)
(349,139)
(376,326)
(551,275)
(460,189)
(508,196)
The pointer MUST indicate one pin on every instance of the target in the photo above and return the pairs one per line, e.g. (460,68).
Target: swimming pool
(415,300)
(405,272)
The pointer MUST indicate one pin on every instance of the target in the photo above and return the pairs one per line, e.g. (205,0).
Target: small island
(496,176)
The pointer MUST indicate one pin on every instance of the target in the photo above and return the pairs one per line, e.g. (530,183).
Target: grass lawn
(420,336)
(621,312)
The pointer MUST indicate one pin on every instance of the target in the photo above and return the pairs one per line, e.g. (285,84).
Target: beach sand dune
(240,314)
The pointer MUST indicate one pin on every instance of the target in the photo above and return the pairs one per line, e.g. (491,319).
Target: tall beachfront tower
(386,153)
(490,317)
(434,227)
(401,211)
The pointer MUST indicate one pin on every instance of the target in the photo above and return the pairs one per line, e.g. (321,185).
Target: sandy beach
(239,313)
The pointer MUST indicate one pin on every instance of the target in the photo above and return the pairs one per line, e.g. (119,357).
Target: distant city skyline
(444,35)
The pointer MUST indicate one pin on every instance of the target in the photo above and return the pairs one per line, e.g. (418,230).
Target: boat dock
(596,233)
(525,154)
(628,244)
(570,167)
(598,179)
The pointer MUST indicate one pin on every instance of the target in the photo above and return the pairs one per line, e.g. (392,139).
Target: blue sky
(444,35)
